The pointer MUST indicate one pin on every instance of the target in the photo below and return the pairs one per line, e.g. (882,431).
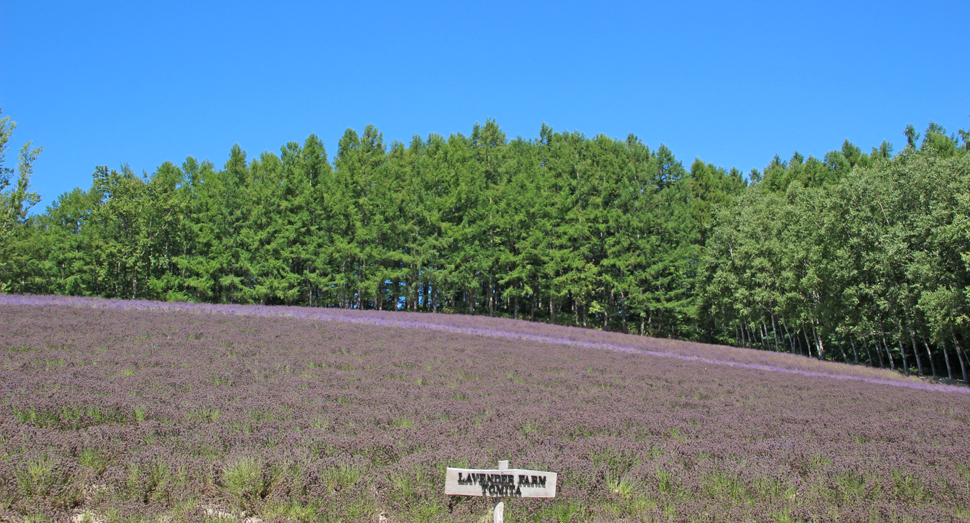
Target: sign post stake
(498,510)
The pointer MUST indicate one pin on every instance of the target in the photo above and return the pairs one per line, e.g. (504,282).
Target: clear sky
(734,83)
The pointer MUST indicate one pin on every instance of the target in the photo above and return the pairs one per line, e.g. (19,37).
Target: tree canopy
(858,257)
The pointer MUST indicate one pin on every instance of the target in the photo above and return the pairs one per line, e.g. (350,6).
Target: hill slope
(158,409)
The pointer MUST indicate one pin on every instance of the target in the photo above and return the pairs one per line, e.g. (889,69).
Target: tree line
(867,264)
(864,252)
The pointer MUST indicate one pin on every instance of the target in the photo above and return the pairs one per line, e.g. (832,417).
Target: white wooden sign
(500,483)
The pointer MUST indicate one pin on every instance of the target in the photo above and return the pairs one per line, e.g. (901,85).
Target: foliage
(874,260)
(594,232)
(857,257)
(18,259)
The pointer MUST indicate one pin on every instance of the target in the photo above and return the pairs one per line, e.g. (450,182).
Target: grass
(342,477)
(248,481)
(73,417)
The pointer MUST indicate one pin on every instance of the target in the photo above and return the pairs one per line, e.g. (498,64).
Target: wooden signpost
(499,484)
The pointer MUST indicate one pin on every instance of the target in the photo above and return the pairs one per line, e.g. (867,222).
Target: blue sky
(734,83)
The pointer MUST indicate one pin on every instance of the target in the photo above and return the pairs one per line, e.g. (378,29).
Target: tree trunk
(882,362)
(788,335)
(415,293)
(491,295)
(395,285)
(845,359)
(623,313)
(930,356)
(575,306)
(606,314)
(961,356)
(855,353)
(808,344)
(892,364)
(532,302)
(919,362)
(515,306)
(311,289)
(903,352)
(946,357)
(774,330)
(818,341)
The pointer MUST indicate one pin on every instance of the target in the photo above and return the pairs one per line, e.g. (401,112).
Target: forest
(856,257)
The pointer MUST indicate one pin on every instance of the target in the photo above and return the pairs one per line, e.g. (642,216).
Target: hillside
(130,409)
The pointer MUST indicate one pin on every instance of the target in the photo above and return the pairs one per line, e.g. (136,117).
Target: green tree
(16,199)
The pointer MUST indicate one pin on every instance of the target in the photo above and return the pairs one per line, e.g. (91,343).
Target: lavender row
(517,329)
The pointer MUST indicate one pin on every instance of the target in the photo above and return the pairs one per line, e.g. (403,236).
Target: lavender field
(141,411)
